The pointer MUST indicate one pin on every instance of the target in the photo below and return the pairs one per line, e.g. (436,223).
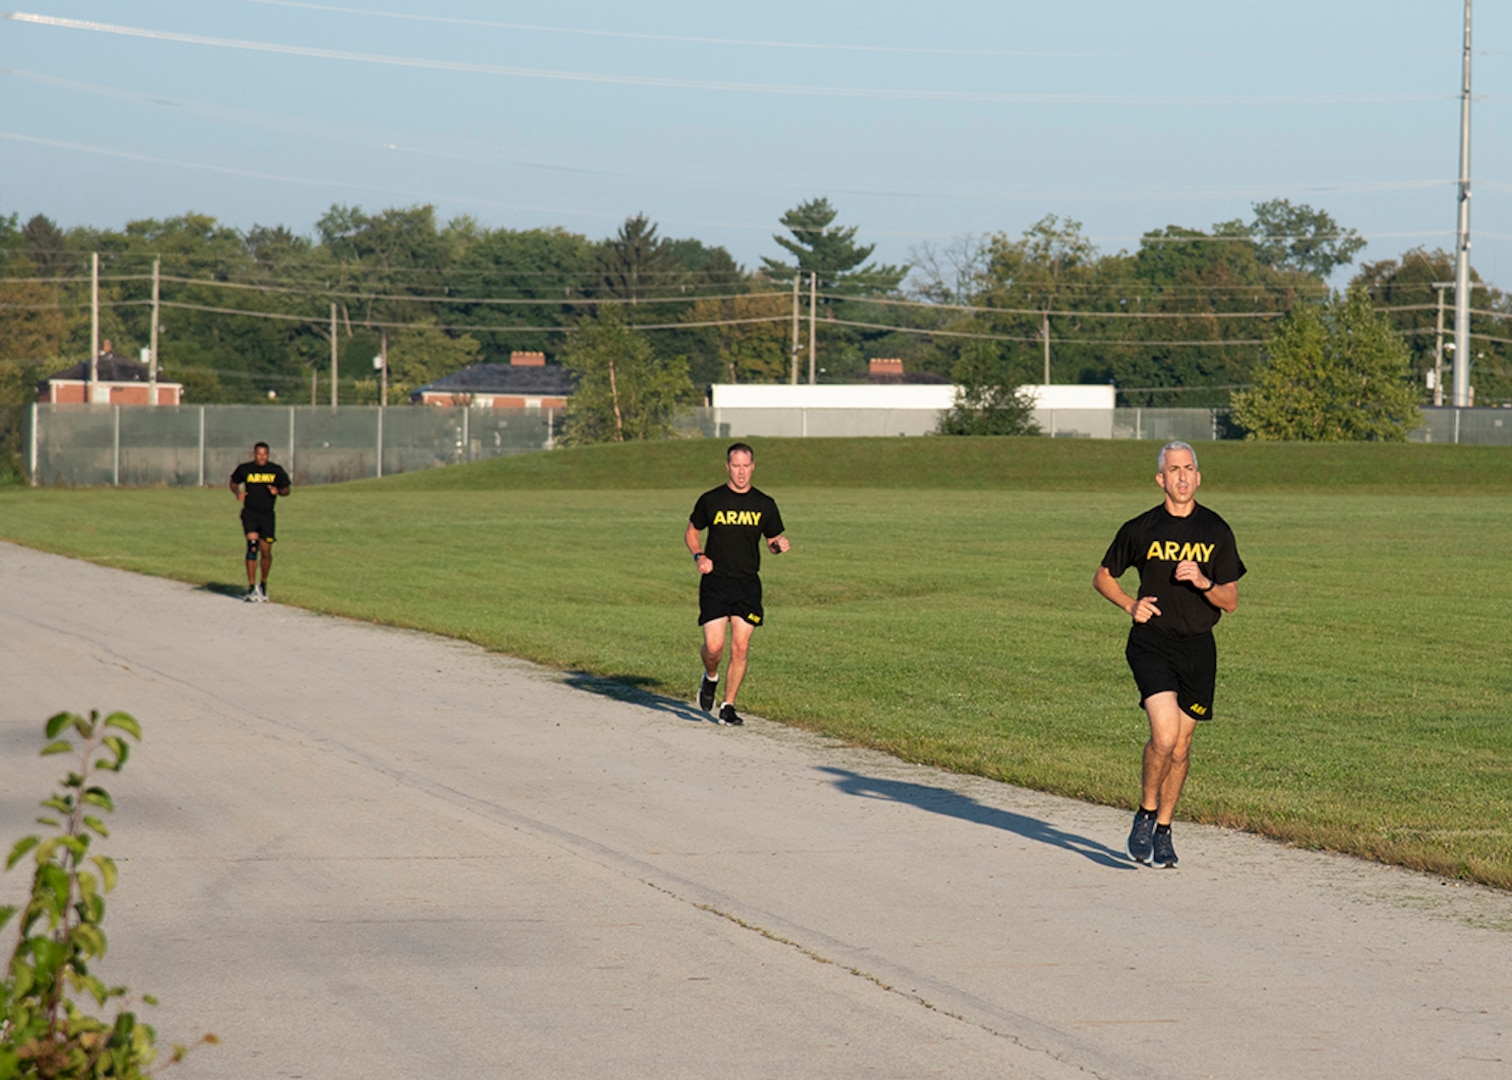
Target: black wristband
(699,555)
(1211,586)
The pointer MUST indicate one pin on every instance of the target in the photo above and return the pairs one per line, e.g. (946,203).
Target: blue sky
(919,122)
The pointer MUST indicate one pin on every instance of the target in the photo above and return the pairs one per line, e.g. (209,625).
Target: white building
(890,409)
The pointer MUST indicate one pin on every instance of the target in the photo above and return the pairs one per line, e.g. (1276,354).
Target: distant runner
(738,517)
(264,483)
(1189,569)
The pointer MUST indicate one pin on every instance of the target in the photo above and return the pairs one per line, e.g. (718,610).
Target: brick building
(526,382)
(120,381)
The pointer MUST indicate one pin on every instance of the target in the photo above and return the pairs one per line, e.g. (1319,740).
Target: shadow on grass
(221,588)
(953,804)
(633,689)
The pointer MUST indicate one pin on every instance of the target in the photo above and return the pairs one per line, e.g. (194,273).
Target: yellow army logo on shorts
(1172,551)
(1200,710)
(754,620)
(737,517)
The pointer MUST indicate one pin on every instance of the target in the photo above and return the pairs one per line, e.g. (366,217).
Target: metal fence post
(291,440)
(31,450)
(380,442)
(115,447)
(202,446)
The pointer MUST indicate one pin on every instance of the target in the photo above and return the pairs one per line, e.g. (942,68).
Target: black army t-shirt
(1155,542)
(257,478)
(736,522)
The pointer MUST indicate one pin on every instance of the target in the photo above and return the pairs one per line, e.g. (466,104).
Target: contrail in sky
(665,83)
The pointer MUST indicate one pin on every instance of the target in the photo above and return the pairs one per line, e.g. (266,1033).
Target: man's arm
(1223,597)
(1141,610)
(236,489)
(695,547)
(777,544)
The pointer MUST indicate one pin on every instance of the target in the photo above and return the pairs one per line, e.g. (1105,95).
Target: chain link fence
(198,445)
(189,445)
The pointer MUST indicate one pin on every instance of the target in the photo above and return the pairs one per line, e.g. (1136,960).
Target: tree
(1405,289)
(624,392)
(1300,238)
(422,354)
(830,251)
(752,346)
(1333,372)
(635,264)
(988,398)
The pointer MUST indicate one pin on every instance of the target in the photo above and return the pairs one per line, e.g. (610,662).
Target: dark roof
(111,368)
(548,379)
(912,378)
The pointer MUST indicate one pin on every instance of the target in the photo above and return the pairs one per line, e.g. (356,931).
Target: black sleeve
(1227,566)
(283,478)
(239,474)
(700,519)
(772,523)
(1121,552)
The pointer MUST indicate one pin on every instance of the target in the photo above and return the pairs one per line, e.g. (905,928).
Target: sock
(710,678)
(726,705)
(1162,828)
(1146,813)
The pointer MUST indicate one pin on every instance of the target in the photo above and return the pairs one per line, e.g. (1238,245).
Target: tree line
(1183,319)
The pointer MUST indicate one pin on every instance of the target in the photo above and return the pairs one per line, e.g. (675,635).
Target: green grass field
(938,605)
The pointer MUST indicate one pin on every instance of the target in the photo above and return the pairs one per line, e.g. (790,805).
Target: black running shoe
(1164,854)
(706,688)
(728,715)
(1142,837)
(251,596)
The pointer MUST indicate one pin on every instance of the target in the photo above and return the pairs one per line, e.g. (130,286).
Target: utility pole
(334,351)
(1438,343)
(1045,333)
(152,360)
(1462,241)
(813,299)
(795,326)
(94,323)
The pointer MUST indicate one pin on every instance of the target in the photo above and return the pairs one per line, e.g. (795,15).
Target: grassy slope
(937,604)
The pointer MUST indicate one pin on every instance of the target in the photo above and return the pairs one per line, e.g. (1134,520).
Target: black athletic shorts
(1186,665)
(719,597)
(259,522)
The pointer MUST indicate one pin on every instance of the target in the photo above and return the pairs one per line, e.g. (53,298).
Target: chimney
(527,359)
(887,368)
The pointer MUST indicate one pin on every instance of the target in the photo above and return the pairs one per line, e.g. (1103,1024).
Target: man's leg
(1167,756)
(712,649)
(267,559)
(253,545)
(740,646)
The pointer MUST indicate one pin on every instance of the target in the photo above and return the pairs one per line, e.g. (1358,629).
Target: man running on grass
(1189,569)
(738,517)
(264,482)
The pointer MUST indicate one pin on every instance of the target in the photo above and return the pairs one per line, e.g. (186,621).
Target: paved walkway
(358,852)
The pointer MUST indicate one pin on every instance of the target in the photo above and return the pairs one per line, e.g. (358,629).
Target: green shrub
(44,1031)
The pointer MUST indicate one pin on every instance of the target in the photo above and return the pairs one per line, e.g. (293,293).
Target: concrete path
(358,852)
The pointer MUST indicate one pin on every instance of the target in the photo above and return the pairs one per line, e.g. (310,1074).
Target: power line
(719,86)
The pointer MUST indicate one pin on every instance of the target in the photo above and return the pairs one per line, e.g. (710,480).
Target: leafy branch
(44,1032)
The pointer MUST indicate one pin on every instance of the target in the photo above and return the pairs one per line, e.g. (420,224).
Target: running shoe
(1141,837)
(251,596)
(728,715)
(1164,854)
(706,688)
(262,594)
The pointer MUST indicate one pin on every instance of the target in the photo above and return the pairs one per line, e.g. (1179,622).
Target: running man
(1189,571)
(738,517)
(263,482)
